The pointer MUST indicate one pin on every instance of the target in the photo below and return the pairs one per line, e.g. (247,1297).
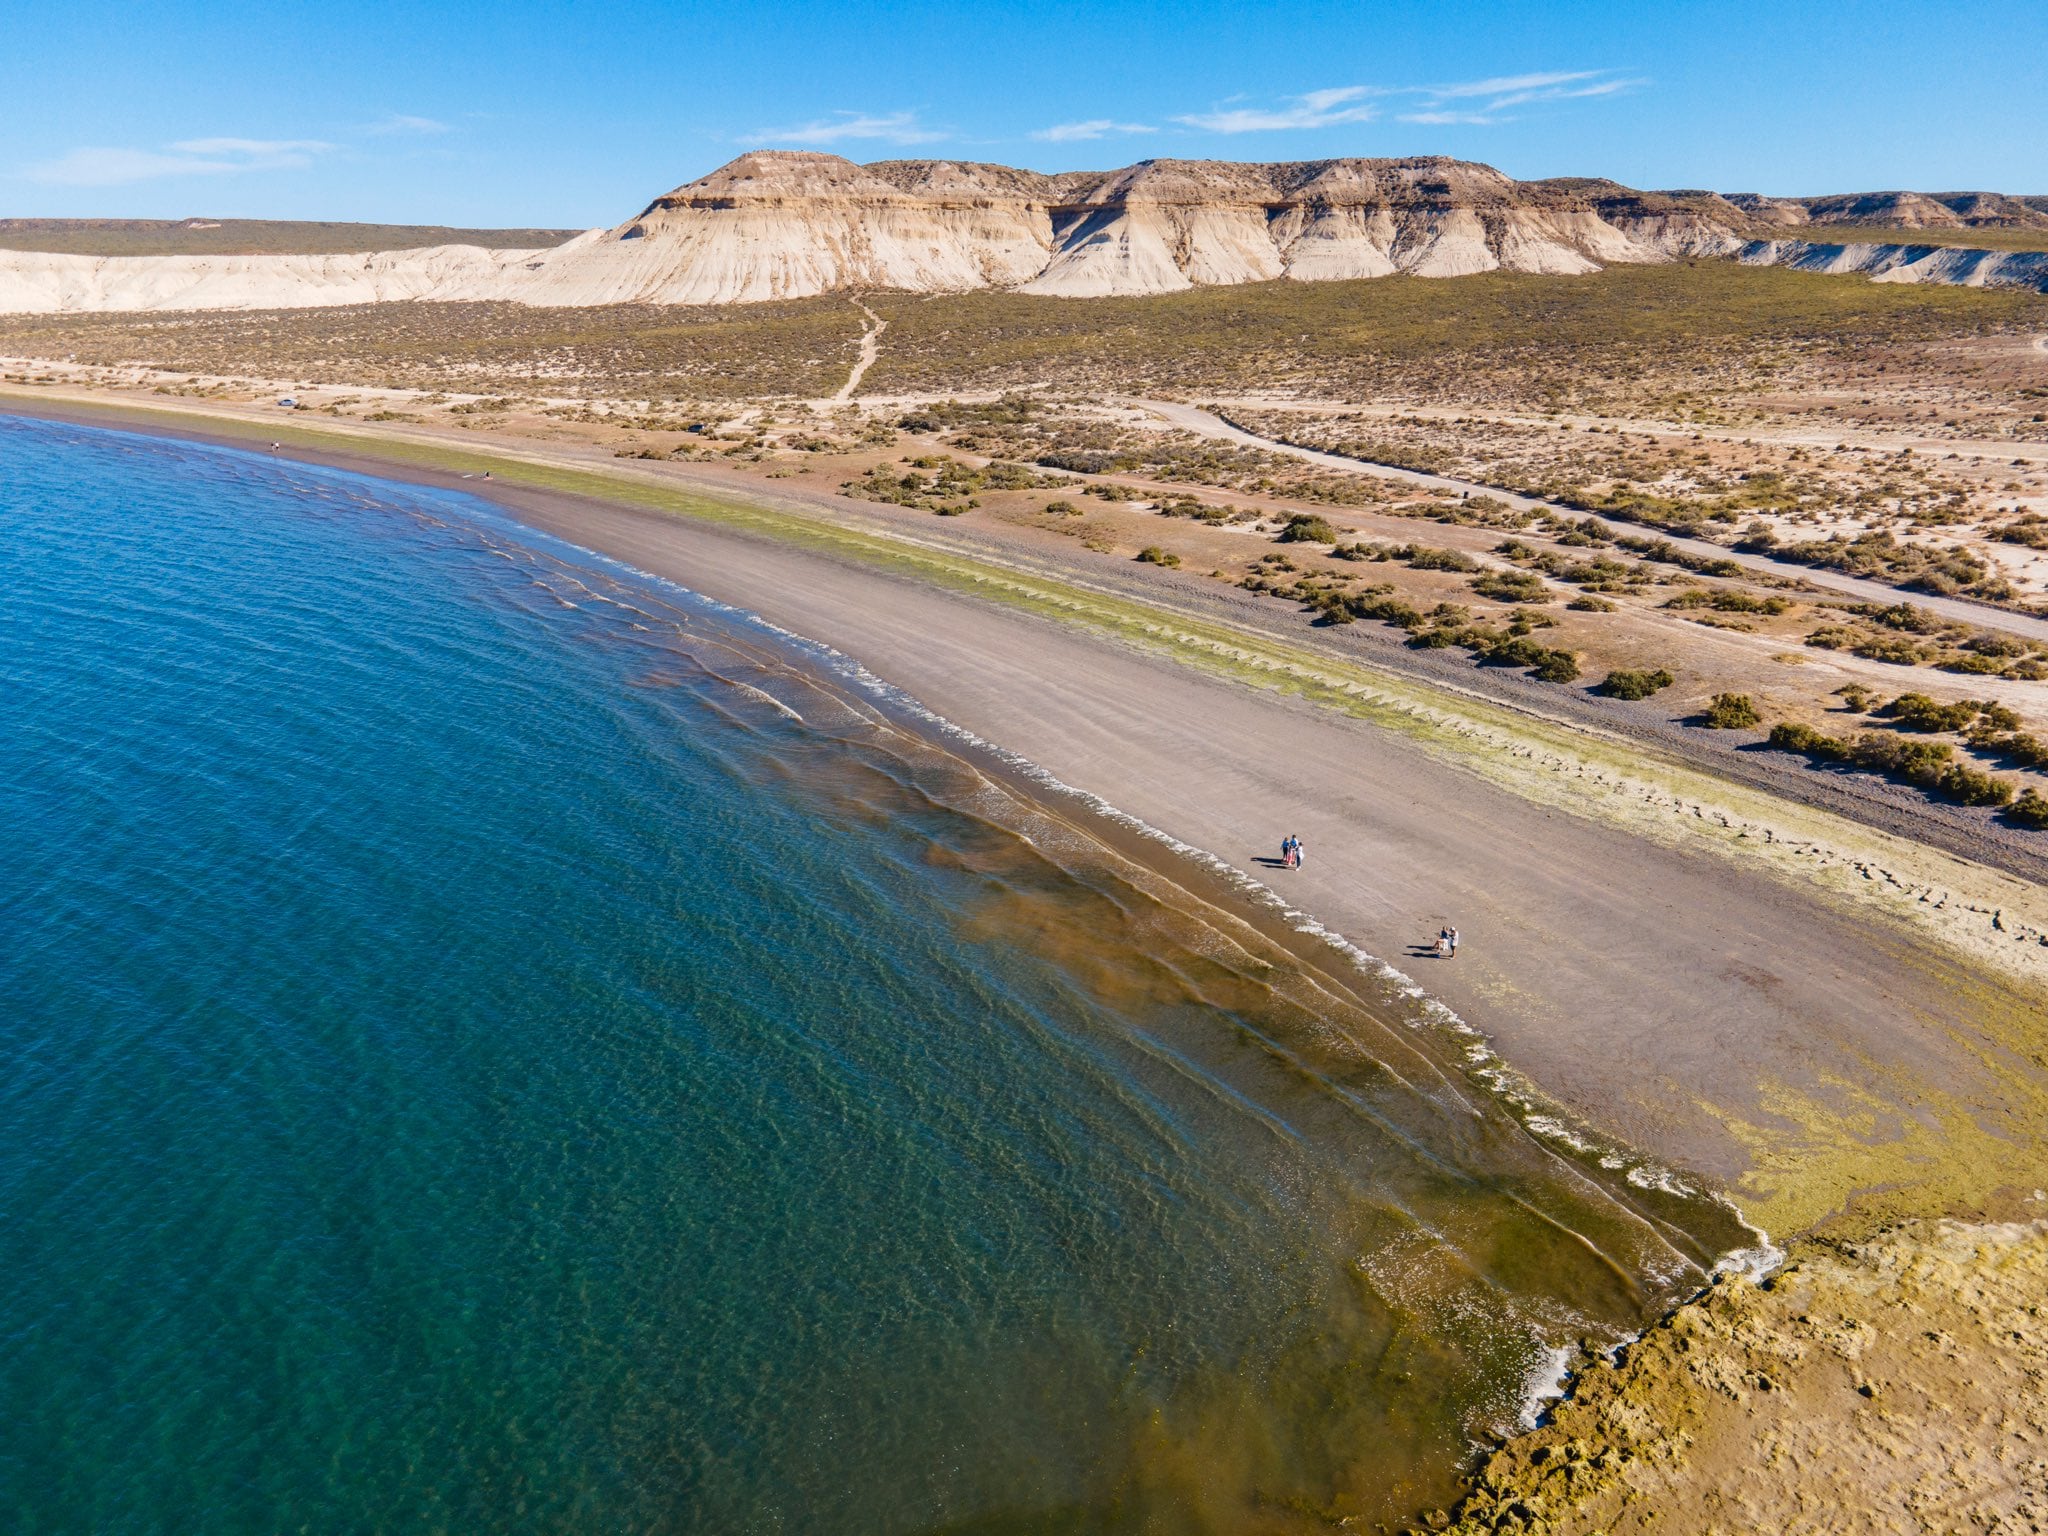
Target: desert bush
(1729,602)
(1790,736)
(1929,765)
(1586,603)
(1388,610)
(1307,528)
(1513,650)
(1152,554)
(1423,558)
(1972,786)
(2019,747)
(1731,712)
(2029,810)
(1635,685)
(1664,552)
(1917,712)
(1511,587)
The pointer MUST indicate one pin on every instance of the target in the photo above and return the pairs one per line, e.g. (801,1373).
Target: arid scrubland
(1709,443)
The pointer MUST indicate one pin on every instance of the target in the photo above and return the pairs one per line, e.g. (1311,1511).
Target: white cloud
(1315,109)
(405,122)
(896,128)
(1094,128)
(1434,104)
(1501,85)
(1506,91)
(253,149)
(106,167)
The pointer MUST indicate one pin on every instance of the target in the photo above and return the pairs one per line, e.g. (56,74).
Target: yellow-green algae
(1892,1144)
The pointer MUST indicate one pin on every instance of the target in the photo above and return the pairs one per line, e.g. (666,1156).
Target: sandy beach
(1729,1016)
(1829,1023)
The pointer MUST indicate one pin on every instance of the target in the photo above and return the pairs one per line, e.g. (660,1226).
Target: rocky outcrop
(1896,210)
(780,225)
(1951,265)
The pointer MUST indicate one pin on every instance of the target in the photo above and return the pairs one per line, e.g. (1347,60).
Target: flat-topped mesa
(1895,210)
(779,224)
(784,224)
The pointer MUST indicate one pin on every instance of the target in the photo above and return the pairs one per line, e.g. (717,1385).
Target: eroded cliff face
(779,225)
(784,224)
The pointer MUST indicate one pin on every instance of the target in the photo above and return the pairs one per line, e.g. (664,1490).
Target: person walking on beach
(1443,944)
(1454,941)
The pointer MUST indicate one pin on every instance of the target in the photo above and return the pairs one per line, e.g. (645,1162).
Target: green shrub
(1973,786)
(2021,747)
(1930,765)
(1789,736)
(1731,712)
(1511,587)
(1062,508)
(1306,528)
(1887,753)
(2030,810)
(1426,559)
(1917,712)
(1388,610)
(1635,685)
(1152,554)
(1513,650)
(1729,602)
(1588,604)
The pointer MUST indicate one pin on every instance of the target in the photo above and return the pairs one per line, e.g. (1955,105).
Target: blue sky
(531,112)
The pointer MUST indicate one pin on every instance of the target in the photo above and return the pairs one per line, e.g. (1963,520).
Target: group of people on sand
(1446,947)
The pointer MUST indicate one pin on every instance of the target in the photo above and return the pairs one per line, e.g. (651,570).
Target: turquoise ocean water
(491,1042)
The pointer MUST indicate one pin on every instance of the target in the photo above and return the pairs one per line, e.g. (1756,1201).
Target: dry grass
(1710,329)
(803,348)
(1541,341)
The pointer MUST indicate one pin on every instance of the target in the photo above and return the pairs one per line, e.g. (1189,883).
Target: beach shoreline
(1767,1000)
(1891,1089)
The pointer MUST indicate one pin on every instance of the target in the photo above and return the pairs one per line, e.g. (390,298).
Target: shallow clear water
(493,1043)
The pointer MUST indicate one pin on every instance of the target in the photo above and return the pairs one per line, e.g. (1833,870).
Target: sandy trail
(870,349)
(1203,423)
